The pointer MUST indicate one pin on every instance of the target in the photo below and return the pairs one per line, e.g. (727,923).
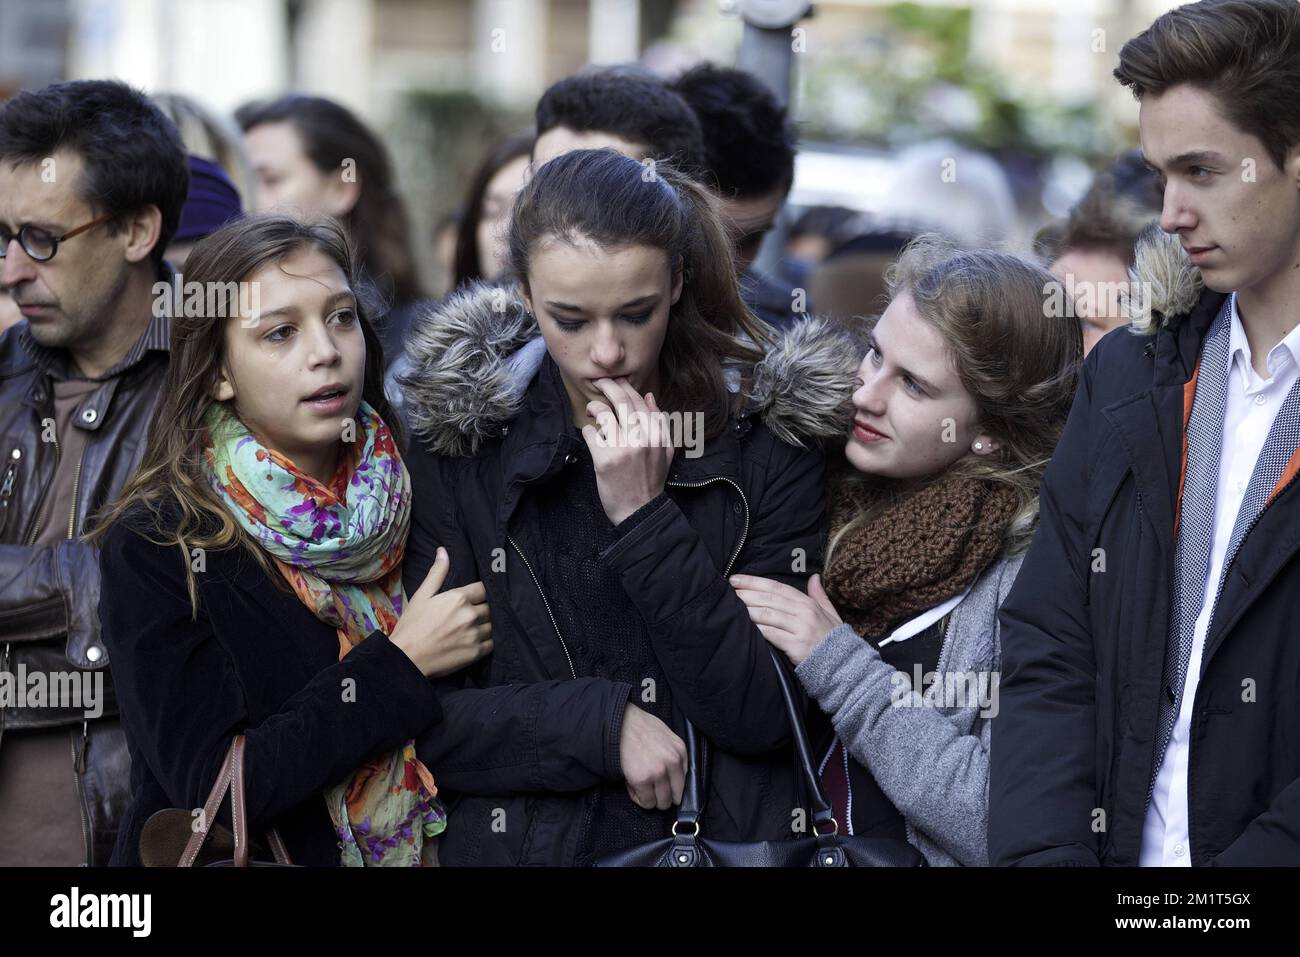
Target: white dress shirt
(1252,405)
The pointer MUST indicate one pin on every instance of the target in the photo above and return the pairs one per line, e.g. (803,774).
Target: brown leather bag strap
(278,849)
(238,810)
(209,814)
(231,778)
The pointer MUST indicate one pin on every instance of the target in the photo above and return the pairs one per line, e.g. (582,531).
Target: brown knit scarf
(916,551)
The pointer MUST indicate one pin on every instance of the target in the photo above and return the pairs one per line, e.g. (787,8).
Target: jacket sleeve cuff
(825,664)
(619,698)
(644,520)
(636,518)
(389,667)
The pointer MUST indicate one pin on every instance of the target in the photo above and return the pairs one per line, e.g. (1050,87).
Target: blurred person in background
(811,238)
(92,181)
(1092,250)
(481,239)
(221,177)
(445,235)
(312,156)
(749,148)
(480,250)
(850,283)
(941,187)
(623,108)
(211,202)
(213,136)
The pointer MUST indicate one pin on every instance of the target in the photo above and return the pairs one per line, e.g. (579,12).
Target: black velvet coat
(256,661)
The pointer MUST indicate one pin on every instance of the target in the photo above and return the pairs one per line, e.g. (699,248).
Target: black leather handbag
(824,847)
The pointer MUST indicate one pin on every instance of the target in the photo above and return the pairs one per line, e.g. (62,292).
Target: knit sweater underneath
(604,632)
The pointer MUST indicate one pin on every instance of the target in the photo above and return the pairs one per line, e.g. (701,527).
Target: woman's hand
(442,633)
(796,623)
(632,449)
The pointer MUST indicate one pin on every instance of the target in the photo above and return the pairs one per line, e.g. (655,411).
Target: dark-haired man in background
(749,149)
(620,107)
(92,181)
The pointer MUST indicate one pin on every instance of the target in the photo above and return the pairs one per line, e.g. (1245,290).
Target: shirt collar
(1239,347)
(155,338)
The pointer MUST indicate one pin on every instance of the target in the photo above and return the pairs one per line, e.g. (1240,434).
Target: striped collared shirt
(156,337)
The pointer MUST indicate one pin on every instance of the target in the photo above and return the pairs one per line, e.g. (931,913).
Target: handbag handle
(231,778)
(695,787)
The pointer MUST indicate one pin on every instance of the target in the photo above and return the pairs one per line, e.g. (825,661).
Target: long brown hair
(613,200)
(467,266)
(169,488)
(1017,361)
(378,224)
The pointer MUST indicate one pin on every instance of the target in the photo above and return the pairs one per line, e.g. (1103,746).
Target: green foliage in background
(914,79)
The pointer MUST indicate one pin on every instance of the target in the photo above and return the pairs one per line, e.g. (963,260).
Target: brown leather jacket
(49,594)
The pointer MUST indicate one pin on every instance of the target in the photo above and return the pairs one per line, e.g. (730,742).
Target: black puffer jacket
(492,425)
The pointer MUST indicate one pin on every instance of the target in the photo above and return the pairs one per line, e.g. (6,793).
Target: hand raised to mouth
(631,449)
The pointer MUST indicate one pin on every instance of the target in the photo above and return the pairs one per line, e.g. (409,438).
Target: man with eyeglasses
(92,181)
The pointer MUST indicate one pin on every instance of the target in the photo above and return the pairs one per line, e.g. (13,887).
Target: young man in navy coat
(1150,698)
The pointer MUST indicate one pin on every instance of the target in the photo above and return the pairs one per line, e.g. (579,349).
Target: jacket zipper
(33,526)
(744,532)
(744,529)
(7,486)
(79,766)
(591,799)
(76,484)
(591,803)
(515,545)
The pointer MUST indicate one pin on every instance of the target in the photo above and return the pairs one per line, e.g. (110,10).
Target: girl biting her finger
(603,444)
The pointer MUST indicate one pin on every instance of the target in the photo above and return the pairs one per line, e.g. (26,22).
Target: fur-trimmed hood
(471,357)
(1166,284)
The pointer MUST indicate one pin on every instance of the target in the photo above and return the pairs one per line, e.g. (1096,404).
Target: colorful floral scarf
(341,549)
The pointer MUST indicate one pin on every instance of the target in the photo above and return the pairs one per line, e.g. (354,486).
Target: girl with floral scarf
(285,446)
